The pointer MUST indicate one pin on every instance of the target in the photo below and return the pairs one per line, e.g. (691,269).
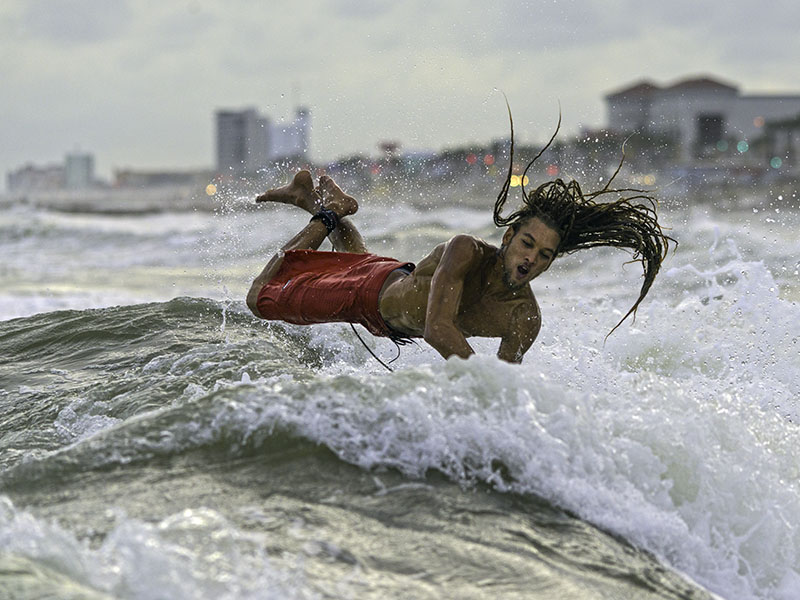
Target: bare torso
(486,304)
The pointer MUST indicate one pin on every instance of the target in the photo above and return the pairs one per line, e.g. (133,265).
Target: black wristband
(329,218)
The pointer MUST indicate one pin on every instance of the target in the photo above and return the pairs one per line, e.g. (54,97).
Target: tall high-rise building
(247,141)
(242,141)
(78,170)
(291,140)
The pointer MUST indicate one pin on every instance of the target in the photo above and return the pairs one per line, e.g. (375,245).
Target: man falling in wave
(465,287)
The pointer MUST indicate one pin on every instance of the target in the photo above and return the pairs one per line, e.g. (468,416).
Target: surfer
(465,287)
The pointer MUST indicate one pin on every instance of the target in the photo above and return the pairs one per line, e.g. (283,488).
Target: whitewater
(158,441)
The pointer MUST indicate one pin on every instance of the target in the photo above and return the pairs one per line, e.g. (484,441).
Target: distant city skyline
(137,85)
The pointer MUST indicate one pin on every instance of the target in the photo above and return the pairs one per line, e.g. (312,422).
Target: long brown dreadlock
(629,222)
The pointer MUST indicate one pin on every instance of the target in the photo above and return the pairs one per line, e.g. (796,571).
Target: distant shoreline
(115,201)
(675,189)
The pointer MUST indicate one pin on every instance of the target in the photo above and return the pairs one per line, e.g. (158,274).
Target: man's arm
(524,326)
(461,254)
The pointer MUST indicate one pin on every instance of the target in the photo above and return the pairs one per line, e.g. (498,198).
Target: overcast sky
(136,82)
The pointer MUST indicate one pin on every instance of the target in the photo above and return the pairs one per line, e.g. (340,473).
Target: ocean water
(157,441)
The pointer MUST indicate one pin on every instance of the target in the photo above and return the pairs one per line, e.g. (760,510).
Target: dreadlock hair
(629,222)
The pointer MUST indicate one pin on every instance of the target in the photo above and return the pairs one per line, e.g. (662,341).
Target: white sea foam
(191,555)
(679,432)
(653,436)
(81,419)
(701,478)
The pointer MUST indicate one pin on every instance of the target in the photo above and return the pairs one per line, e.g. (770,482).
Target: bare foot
(335,199)
(300,192)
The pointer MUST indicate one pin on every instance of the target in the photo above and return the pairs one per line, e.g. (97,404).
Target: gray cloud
(536,26)
(76,21)
(359,9)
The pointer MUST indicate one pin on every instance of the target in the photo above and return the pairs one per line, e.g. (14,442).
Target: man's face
(529,252)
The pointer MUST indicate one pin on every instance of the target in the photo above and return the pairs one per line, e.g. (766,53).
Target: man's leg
(345,238)
(300,192)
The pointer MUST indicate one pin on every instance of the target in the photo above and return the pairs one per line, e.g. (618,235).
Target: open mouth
(523,270)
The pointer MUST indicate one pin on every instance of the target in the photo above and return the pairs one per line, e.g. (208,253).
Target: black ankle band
(329,218)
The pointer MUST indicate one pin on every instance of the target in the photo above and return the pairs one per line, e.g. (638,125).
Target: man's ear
(508,235)
(550,264)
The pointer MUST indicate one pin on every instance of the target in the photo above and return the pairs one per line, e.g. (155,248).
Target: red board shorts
(313,286)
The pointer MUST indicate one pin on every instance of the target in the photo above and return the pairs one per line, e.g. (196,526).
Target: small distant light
(552,170)
(211,189)
(525,180)
(776,162)
(758,121)
(488,160)
(515,181)
(743,147)
(649,179)
(471,158)
(722,146)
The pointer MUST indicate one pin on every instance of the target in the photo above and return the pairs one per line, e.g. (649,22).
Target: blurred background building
(706,118)
(247,141)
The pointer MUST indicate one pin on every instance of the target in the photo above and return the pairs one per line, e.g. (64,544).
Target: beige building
(703,117)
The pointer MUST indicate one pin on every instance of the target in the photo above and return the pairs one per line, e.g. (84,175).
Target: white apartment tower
(291,140)
(78,170)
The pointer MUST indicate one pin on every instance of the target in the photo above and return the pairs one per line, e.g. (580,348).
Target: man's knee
(272,268)
(252,298)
